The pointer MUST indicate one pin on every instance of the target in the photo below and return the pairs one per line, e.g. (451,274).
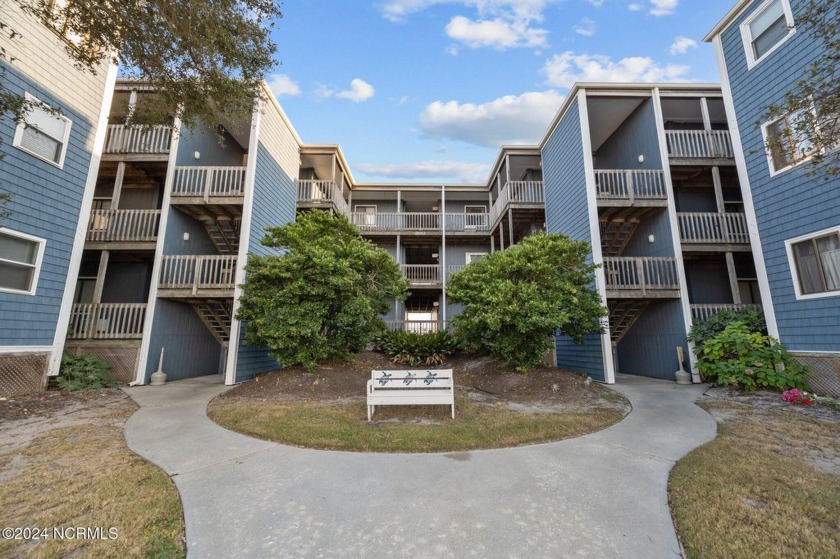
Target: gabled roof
(727,20)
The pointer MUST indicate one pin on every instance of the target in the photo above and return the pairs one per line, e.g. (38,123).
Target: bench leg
(453,411)
(370,412)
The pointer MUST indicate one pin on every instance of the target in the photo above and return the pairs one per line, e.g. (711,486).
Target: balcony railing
(644,273)
(421,274)
(699,144)
(321,192)
(467,221)
(396,221)
(209,182)
(452,269)
(418,326)
(123,225)
(138,139)
(630,184)
(106,321)
(711,228)
(517,192)
(196,272)
(700,313)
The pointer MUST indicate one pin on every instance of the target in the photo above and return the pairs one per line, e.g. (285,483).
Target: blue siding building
(46,169)
(794,209)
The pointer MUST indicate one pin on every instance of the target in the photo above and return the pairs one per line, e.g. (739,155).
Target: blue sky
(428,90)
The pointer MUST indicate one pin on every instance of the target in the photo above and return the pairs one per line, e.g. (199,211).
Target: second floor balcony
(643,187)
(641,277)
(106,321)
(321,194)
(203,275)
(699,144)
(138,140)
(130,229)
(709,228)
(517,194)
(209,185)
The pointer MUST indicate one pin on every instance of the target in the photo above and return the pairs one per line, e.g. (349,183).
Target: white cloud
(563,70)
(682,44)
(499,24)
(635,7)
(585,27)
(430,169)
(359,91)
(282,84)
(596,3)
(496,33)
(512,119)
(663,7)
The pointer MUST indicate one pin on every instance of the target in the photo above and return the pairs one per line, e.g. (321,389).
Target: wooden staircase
(224,233)
(623,315)
(216,315)
(615,234)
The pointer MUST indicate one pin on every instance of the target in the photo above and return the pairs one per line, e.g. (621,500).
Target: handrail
(209,182)
(321,191)
(421,273)
(106,321)
(641,273)
(418,326)
(710,227)
(194,272)
(691,144)
(396,221)
(630,184)
(123,225)
(703,312)
(513,192)
(138,139)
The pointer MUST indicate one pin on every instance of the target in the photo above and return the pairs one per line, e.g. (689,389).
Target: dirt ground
(481,379)
(768,400)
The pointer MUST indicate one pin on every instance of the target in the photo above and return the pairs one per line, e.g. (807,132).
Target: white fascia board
(734,12)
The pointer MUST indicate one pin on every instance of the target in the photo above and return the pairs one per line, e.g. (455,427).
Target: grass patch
(767,486)
(86,476)
(343,426)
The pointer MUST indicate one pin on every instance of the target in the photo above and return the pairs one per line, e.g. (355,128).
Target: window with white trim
(42,133)
(788,141)
(20,261)
(816,263)
(766,30)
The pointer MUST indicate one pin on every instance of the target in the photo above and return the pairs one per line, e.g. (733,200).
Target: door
(475,217)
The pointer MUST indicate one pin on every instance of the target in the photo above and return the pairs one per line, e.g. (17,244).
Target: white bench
(404,388)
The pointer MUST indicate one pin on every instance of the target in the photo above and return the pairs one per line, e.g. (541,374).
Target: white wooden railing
(517,192)
(452,269)
(138,139)
(106,321)
(630,184)
(700,313)
(418,326)
(421,273)
(196,272)
(689,144)
(209,182)
(123,225)
(321,192)
(467,221)
(397,221)
(708,227)
(641,273)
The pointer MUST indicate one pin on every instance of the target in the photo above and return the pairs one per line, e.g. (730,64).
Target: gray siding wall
(657,225)
(382,206)
(566,211)
(708,282)
(695,200)
(177,224)
(649,348)
(46,202)
(205,141)
(140,198)
(127,282)
(791,203)
(190,348)
(636,136)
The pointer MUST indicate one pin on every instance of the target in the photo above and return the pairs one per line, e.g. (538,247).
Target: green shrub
(740,357)
(415,349)
(83,373)
(714,325)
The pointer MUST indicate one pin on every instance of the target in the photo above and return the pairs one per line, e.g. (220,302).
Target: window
(815,262)
(20,261)
(472,256)
(788,141)
(768,28)
(43,134)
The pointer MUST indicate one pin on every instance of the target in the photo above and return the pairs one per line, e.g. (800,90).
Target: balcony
(209,185)
(467,222)
(517,193)
(321,194)
(630,187)
(392,222)
(138,140)
(641,277)
(106,321)
(699,144)
(422,275)
(713,231)
(197,276)
(122,229)
(699,313)
(418,326)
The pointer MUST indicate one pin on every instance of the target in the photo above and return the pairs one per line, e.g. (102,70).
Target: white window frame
(747,38)
(794,270)
(16,142)
(769,152)
(482,213)
(365,218)
(39,260)
(469,256)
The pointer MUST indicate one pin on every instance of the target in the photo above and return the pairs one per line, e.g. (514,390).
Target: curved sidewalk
(601,495)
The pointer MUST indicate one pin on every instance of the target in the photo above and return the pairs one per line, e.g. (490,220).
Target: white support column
(704,109)
(733,278)
(501,234)
(510,226)
(399,259)
(118,184)
(442,258)
(507,168)
(100,276)
(721,207)
(492,243)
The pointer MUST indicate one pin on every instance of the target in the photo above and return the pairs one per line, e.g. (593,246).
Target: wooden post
(118,184)
(733,278)
(510,226)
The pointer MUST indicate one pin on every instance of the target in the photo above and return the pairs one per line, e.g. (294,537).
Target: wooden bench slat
(410,387)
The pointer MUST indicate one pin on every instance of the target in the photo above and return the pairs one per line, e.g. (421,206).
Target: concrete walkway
(601,495)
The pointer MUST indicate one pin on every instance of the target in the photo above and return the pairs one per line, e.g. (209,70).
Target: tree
(203,57)
(514,300)
(814,101)
(322,297)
